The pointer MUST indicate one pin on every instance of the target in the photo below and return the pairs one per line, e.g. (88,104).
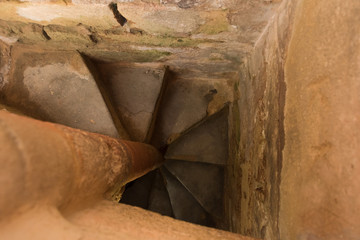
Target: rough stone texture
(320,180)
(135,93)
(218,23)
(58,87)
(5,60)
(256,136)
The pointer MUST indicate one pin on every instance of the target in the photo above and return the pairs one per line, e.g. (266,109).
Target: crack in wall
(117,15)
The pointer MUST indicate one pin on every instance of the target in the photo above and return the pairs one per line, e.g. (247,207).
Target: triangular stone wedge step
(207,142)
(159,200)
(57,86)
(185,103)
(185,206)
(137,192)
(135,92)
(204,181)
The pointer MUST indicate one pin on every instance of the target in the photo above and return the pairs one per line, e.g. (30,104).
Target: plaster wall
(320,176)
(295,138)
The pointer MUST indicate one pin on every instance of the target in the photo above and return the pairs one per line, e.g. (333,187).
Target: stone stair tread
(57,86)
(134,91)
(185,103)
(137,192)
(207,142)
(185,206)
(159,200)
(204,181)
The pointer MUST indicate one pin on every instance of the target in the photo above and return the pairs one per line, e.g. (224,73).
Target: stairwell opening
(156,106)
(208,95)
(205,82)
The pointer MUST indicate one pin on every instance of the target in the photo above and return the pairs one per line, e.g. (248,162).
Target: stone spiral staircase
(144,103)
(190,184)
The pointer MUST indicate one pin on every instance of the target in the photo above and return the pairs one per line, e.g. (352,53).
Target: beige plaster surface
(320,182)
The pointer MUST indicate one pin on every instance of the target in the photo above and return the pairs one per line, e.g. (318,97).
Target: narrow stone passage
(179,119)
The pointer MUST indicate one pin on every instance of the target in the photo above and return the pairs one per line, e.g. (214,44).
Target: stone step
(184,104)
(206,142)
(57,86)
(135,92)
(204,181)
(185,206)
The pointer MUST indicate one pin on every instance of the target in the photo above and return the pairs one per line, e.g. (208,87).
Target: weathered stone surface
(251,17)
(135,92)
(184,104)
(5,59)
(320,183)
(185,206)
(206,143)
(256,135)
(58,87)
(204,181)
(79,34)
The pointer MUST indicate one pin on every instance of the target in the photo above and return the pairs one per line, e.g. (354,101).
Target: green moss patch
(217,22)
(151,40)
(126,56)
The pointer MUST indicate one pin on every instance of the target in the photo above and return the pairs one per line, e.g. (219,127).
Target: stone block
(58,87)
(206,143)
(134,92)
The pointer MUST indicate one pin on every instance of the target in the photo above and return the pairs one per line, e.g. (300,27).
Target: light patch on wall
(98,15)
(39,13)
(8,40)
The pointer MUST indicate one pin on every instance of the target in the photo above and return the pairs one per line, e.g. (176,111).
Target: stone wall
(252,196)
(294,167)
(320,177)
